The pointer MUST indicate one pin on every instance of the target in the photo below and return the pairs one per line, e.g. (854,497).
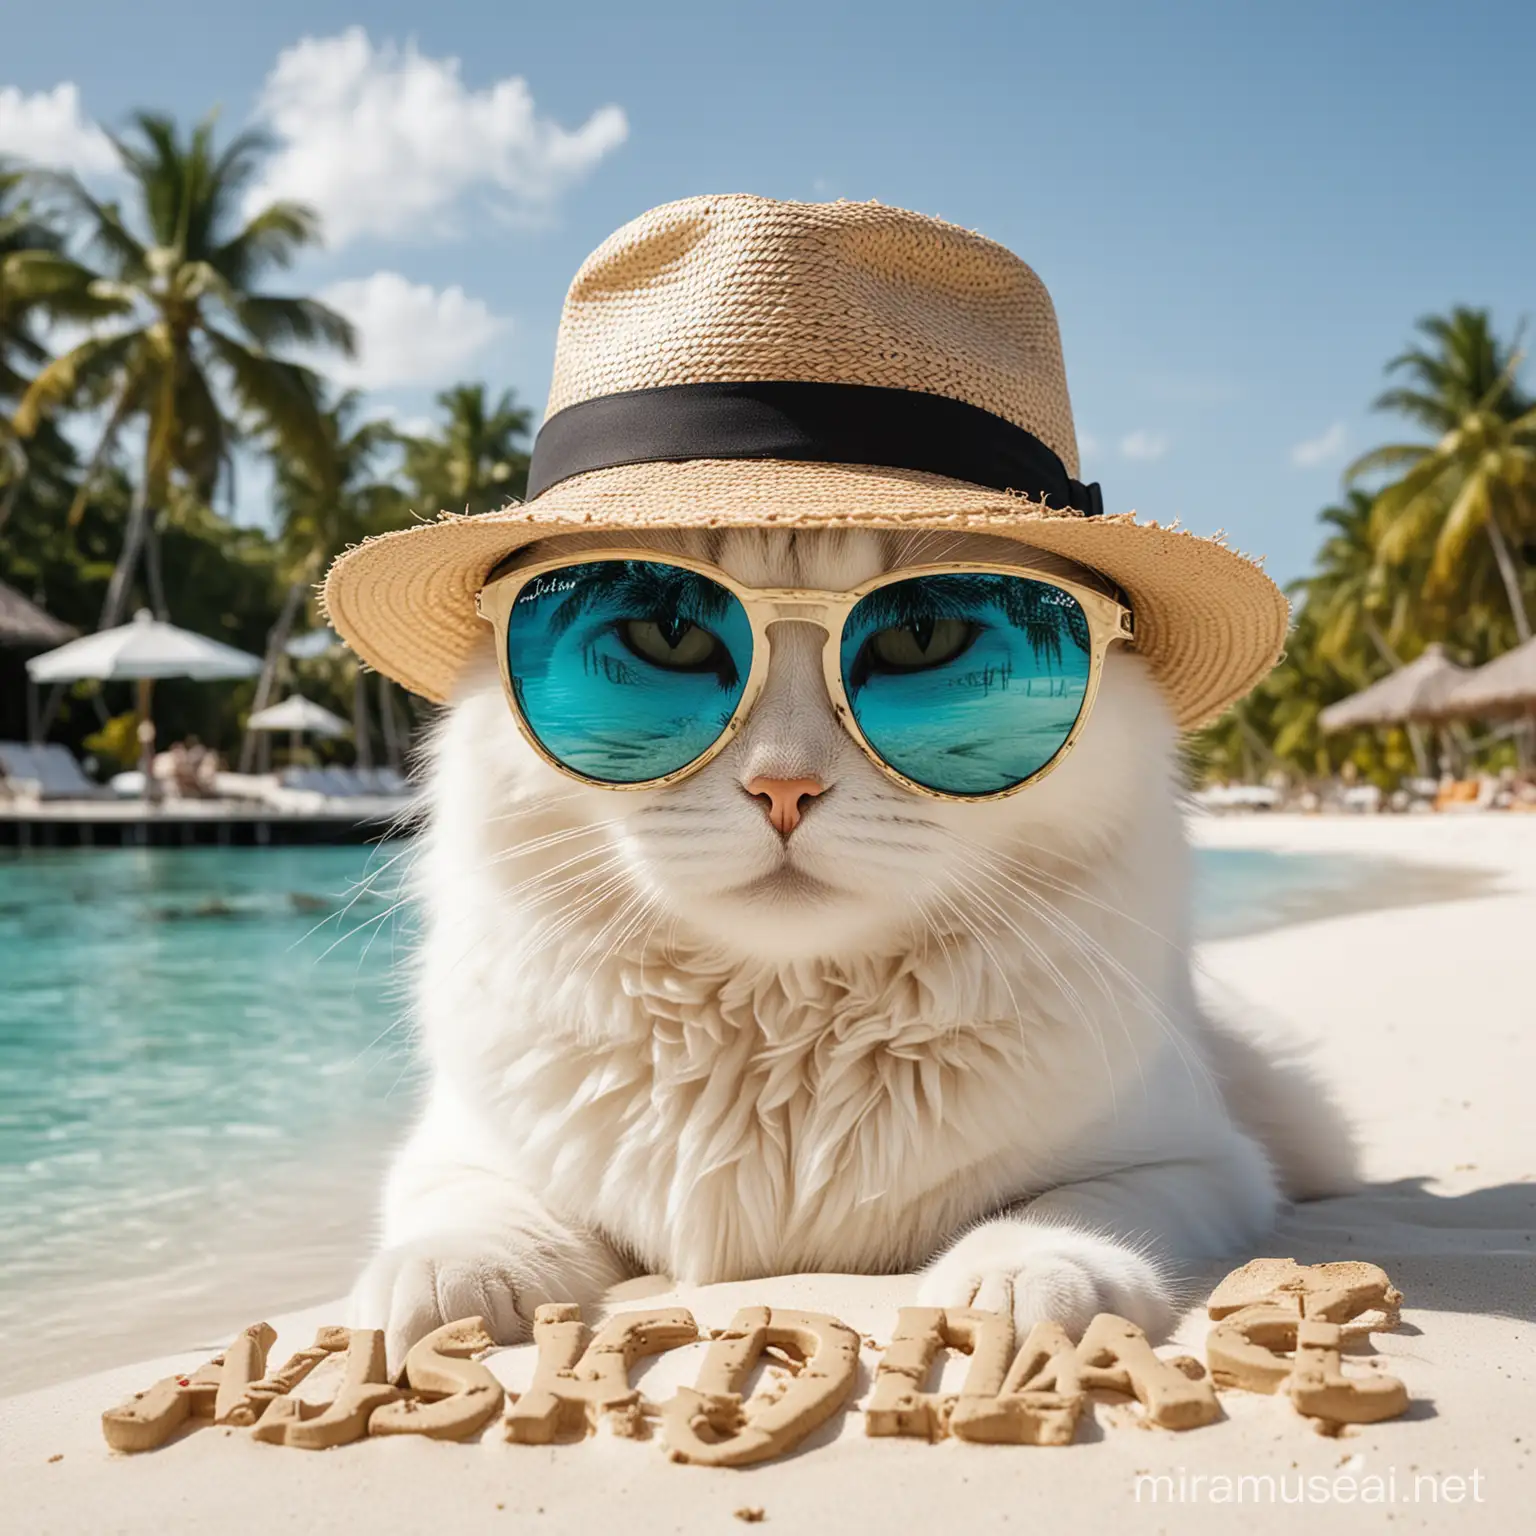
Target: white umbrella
(298,714)
(318,642)
(142,652)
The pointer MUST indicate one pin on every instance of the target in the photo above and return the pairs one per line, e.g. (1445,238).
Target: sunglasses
(960,681)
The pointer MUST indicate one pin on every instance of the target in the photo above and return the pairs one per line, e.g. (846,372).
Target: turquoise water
(199,1052)
(203,1066)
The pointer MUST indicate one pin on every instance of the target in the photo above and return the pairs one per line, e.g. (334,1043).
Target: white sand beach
(1422,1017)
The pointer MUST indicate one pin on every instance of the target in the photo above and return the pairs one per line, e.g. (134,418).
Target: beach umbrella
(22,622)
(1419,691)
(143,651)
(1506,686)
(318,642)
(298,715)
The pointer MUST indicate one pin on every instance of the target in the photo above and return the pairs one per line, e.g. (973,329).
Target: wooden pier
(195,824)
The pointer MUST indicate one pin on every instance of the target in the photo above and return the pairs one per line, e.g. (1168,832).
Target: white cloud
(1143,444)
(385,141)
(49,128)
(1087,445)
(408,333)
(1319,450)
(412,426)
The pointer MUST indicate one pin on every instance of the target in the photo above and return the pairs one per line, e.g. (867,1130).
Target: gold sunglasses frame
(1109,621)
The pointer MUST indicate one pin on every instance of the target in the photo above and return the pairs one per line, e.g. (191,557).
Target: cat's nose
(784,797)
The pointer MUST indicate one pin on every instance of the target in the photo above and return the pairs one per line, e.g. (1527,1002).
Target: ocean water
(204,1062)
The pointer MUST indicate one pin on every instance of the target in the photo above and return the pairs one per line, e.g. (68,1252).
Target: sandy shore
(1421,1016)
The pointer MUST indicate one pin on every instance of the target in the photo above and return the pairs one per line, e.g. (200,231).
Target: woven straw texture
(826,293)
(745,288)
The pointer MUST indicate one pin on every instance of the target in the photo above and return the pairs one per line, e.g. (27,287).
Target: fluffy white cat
(662,1037)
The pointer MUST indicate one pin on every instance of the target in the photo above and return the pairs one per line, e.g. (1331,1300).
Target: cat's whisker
(1099,978)
(648,904)
(533,881)
(1067,887)
(1094,952)
(931,931)
(534,805)
(542,926)
(360,888)
(367,922)
(612,873)
(555,925)
(1069,993)
(1054,915)
(546,841)
(581,880)
(661,914)
(998,966)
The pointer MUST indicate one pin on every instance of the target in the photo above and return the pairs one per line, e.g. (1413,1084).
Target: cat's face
(870,864)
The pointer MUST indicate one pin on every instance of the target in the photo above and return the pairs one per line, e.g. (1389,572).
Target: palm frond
(1462,522)
(275,320)
(284,397)
(1391,456)
(101,223)
(271,239)
(72,374)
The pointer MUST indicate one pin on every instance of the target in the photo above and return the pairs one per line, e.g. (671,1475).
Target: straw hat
(731,362)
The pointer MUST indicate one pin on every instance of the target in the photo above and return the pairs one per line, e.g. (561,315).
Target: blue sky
(1239,209)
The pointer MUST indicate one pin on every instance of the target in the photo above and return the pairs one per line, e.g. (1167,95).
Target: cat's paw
(1041,1273)
(412,1289)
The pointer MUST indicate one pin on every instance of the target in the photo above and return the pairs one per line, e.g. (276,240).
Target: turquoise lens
(627,670)
(969,683)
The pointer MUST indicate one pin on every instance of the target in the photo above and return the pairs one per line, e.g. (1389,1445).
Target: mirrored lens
(968,683)
(627,670)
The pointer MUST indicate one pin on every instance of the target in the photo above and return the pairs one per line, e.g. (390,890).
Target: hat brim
(1209,623)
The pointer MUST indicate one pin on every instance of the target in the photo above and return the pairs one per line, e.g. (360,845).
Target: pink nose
(784,797)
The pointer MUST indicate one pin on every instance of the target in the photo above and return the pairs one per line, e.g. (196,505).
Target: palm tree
(1479,477)
(39,285)
(1352,593)
(326,502)
(476,463)
(193,362)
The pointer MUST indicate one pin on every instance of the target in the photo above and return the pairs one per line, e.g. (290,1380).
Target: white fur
(917,1033)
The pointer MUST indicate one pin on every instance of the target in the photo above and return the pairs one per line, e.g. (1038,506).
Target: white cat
(912,1033)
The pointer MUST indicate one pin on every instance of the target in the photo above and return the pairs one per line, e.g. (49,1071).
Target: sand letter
(710,1425)
(1040,1401)
(899,1406)
(149,1418)
(582,1380)
(457,1395)
(319,1426)
(1115,1356)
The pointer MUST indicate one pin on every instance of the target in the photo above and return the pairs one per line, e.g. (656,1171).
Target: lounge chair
(336,783)
(1466,795)
(46,771)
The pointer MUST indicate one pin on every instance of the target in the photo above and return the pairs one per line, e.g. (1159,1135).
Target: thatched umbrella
(1506,686)
(22,622)
(1419,691)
